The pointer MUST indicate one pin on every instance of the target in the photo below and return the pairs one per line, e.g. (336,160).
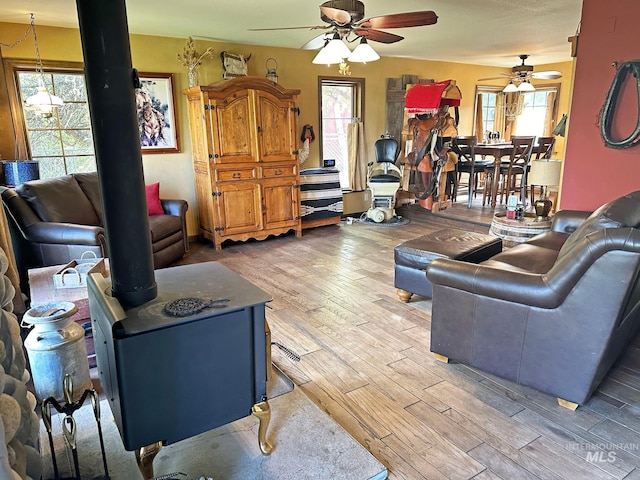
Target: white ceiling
(483,32)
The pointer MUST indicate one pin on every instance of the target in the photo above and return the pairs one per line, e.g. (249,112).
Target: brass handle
(278,172)
(236,175)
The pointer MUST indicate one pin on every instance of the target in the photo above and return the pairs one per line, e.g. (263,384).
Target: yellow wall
(295,70)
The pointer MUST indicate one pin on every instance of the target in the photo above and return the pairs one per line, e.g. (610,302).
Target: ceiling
(483,32)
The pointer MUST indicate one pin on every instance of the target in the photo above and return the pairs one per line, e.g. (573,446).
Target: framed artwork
(157,120)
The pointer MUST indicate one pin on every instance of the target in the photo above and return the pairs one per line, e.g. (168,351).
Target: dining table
(497,151)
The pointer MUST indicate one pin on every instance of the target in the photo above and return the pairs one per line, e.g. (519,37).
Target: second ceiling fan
(345,20)
(524,73)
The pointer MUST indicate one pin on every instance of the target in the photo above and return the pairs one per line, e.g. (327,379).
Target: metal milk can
(56,347)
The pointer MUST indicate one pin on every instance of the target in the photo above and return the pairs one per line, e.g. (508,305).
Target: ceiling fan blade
(377,35)
(548,75)
(402,20)
(315,43)
(335,15)
(312,27)
(503,77)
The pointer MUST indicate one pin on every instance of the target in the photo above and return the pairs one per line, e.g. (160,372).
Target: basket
(74,274)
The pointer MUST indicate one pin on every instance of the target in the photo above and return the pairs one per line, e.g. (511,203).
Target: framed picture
(157,120)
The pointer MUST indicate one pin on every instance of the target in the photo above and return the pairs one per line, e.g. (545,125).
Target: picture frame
(157,116)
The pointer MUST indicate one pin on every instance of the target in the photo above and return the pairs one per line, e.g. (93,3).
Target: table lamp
(544,172)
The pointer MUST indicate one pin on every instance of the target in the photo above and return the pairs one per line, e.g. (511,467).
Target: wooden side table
(513,232)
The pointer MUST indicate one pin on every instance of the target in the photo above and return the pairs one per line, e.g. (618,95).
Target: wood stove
(168,378)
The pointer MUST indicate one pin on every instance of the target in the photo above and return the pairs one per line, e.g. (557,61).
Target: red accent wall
(594,174)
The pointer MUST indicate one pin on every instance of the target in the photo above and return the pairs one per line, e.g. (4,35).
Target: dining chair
(517,165)
(542,149)
(464,147)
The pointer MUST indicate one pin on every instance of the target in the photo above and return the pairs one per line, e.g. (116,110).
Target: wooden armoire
(245,159)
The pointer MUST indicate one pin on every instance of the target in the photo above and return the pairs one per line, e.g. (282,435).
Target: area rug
(308,444)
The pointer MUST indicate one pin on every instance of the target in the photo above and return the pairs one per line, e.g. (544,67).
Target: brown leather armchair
(56,220)
(553,313)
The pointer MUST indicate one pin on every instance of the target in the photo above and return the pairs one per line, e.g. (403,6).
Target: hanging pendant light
(42,102)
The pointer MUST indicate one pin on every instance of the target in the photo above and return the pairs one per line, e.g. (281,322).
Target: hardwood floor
(365,360)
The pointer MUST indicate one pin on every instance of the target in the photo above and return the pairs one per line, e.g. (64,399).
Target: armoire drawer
(279,171)
(236,174)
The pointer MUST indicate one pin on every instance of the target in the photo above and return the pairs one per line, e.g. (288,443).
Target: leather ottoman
(413,256)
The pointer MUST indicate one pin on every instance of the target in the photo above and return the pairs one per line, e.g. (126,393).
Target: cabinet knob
(278,172)
(236,175)
(259,129)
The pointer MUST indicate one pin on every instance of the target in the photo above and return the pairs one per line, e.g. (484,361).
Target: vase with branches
(191,59)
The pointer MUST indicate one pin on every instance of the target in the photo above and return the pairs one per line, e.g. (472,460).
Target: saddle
(431,127)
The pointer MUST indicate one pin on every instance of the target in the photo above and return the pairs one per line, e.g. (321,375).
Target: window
(341,102)
(488,111)
(536,117)
(537,107)
(62,143)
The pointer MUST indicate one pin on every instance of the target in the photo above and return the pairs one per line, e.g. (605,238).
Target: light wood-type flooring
(366,361)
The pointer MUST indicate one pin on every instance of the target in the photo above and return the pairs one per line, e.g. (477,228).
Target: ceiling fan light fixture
(363,53)
(526,87)
(510,88)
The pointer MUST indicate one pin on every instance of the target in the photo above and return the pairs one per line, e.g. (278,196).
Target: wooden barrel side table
(514,232)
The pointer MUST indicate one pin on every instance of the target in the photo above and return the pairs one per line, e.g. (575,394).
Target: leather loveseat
(54,221)
(553,313)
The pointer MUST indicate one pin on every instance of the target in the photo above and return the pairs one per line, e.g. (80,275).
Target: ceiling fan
(345,18)
(524,73)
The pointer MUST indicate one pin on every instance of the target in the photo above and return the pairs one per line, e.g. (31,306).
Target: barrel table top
(513,232)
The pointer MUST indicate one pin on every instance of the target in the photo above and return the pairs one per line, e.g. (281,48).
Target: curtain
(548,115)
(357,159)
(499,117)
(479,119)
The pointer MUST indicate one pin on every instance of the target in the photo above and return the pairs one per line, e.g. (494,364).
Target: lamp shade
(526,87)
(333,52)
(43,102)
(20,171)
(363,53)
(510,88)
(544,172)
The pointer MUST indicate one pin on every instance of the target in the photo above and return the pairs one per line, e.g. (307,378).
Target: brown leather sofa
(553,313)
(54,221)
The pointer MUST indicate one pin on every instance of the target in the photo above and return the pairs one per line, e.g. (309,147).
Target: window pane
(74,115)
(77,142)
(45,143)
(81,164)
(70,87)
(51,167)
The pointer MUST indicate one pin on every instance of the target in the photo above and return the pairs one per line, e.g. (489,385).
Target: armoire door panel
(281,204)
(239,209)
(234,139)
(275,128)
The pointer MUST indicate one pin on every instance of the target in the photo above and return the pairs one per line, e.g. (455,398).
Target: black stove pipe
(110,87)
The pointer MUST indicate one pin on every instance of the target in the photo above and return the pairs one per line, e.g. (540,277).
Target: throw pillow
(153,199)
